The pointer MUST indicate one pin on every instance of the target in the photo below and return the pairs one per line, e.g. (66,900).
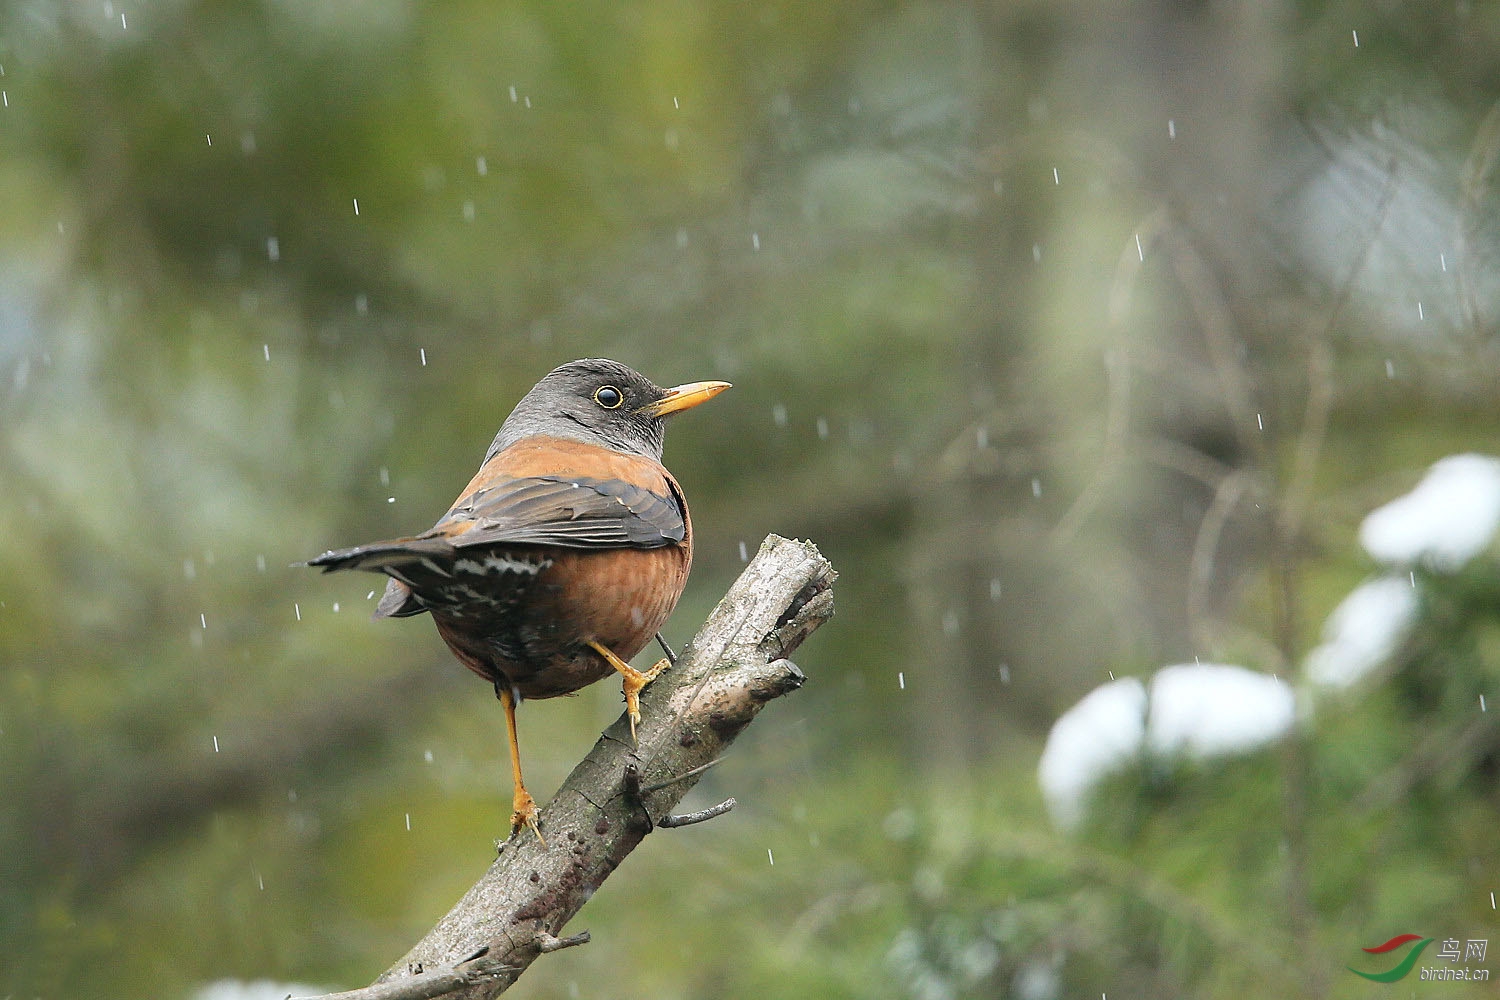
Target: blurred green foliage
(1043,317)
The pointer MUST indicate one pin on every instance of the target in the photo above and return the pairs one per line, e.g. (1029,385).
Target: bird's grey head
(598,401)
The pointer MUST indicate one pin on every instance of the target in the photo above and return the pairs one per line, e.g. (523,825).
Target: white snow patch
(1363,631)
(1201,710)
(1450,517)
(1212,710)
(1093,739)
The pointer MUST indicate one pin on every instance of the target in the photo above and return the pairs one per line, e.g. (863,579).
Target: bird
(563,556)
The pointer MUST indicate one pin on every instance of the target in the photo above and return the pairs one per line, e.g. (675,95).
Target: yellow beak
(684,397)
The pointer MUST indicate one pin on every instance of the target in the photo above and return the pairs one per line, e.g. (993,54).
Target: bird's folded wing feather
(575,513)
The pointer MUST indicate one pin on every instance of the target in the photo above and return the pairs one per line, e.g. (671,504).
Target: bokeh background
(1079,336)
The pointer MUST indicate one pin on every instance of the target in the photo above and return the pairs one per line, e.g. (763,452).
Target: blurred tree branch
(619,793)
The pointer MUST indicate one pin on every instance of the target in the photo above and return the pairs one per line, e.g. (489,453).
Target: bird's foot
(635,681)
(524,813)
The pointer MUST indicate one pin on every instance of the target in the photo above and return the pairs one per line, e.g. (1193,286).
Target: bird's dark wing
(439,567)
(573,513)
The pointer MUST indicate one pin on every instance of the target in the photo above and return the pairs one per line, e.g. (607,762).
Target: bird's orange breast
(618,597)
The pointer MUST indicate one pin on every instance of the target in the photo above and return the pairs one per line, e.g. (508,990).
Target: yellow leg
(523,806)
(634,682)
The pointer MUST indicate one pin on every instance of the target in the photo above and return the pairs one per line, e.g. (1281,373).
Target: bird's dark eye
(608,397)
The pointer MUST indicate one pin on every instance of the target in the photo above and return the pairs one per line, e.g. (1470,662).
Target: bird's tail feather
(381,557)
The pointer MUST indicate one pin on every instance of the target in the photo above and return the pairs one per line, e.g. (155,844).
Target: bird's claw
(524,814)
(634,682)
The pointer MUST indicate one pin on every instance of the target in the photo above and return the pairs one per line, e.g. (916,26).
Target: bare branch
(546,943)
(1206,545)
(1118,372)
(684,776)
(428,985)
(621,792)
(702,815)
(1478,172)
(1205,293)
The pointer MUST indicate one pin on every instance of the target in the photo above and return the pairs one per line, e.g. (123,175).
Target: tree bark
(619,793)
